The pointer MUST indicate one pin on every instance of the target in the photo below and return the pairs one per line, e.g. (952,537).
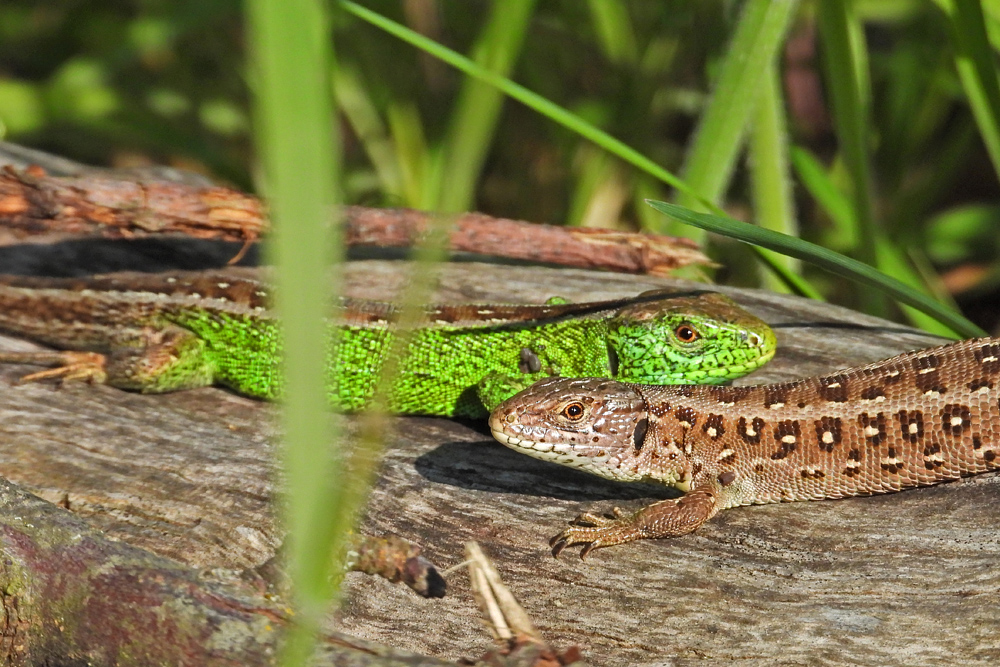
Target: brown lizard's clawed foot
(69,366)
(594,532)
(667,518)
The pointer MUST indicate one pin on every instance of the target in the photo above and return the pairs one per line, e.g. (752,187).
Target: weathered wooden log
(907,578)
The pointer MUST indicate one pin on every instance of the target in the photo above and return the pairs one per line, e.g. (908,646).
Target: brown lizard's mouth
(599,464)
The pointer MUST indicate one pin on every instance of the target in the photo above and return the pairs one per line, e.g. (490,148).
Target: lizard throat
(596,463)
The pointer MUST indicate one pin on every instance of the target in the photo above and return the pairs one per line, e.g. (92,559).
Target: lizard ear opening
(639,435)
(613,361)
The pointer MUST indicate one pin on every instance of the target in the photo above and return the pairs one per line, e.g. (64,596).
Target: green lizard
(163,332)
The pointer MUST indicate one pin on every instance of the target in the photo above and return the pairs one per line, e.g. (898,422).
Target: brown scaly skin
(916,419)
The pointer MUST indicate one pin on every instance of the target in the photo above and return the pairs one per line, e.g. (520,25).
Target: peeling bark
(96,203)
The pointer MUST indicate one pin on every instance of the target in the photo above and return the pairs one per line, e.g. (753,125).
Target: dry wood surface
(907,578)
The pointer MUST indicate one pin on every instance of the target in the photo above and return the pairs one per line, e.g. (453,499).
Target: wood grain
(907,578)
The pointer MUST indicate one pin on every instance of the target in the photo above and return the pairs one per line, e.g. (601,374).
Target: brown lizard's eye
(686,333)
(573,410)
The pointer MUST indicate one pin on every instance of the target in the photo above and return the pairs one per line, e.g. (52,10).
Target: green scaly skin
(166,333)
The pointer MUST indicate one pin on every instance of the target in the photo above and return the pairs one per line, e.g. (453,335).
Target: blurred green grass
(873,134)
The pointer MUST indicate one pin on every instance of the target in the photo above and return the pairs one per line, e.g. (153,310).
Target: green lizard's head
(700,339)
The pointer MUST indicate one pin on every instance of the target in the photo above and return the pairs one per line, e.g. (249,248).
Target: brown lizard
(916,419)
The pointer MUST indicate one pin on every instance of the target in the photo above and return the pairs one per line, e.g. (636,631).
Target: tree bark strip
(37,206)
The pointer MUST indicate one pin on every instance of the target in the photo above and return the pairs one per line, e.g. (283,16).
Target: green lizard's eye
(686,333)
(573,410)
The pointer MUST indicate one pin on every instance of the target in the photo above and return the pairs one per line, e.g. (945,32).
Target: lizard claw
(70,365)
(594,532)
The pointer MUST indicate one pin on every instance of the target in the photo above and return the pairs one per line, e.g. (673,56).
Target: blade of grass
(600,189)
(844,62)
(759,34)
(361,113)
(823,258)
(550,110)
(893,256)
(817,181)
(613,27)
(478,107)
(771,186)
(813,175)
(375,425)
(415,158)
(527,97)
(292,60)
(976,64)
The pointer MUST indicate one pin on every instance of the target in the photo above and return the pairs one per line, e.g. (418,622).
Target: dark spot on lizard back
(871,393)
(955,419)
(829,433)
(733,395)
(932,458)
(787,433)
(873,428)
(529,361)
(775,396)
(750,431)
(714,426)
(981,383)
(911,424)
(687,415)
(833,388)
(927,377)
(989,357)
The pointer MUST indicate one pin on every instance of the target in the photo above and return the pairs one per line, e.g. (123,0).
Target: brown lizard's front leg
(667,518)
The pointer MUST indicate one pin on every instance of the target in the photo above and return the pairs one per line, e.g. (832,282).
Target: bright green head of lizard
(700,339)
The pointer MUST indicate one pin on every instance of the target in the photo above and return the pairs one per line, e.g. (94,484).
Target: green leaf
(718,139)
(845,64)
(471,129)
(774,205)
(976,66)
(527,97)
(824,259)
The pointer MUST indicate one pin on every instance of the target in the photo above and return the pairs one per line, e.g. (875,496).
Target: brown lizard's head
(593,424)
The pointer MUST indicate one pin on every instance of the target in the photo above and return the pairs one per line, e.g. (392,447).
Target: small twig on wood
(34,204)
(522,644)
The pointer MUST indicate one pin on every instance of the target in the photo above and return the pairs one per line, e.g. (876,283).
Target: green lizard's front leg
(170,359)
(495,388)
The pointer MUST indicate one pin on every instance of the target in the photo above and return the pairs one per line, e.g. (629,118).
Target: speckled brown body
(919,418)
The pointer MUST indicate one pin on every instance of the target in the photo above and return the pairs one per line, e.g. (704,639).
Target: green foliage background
(863,140)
